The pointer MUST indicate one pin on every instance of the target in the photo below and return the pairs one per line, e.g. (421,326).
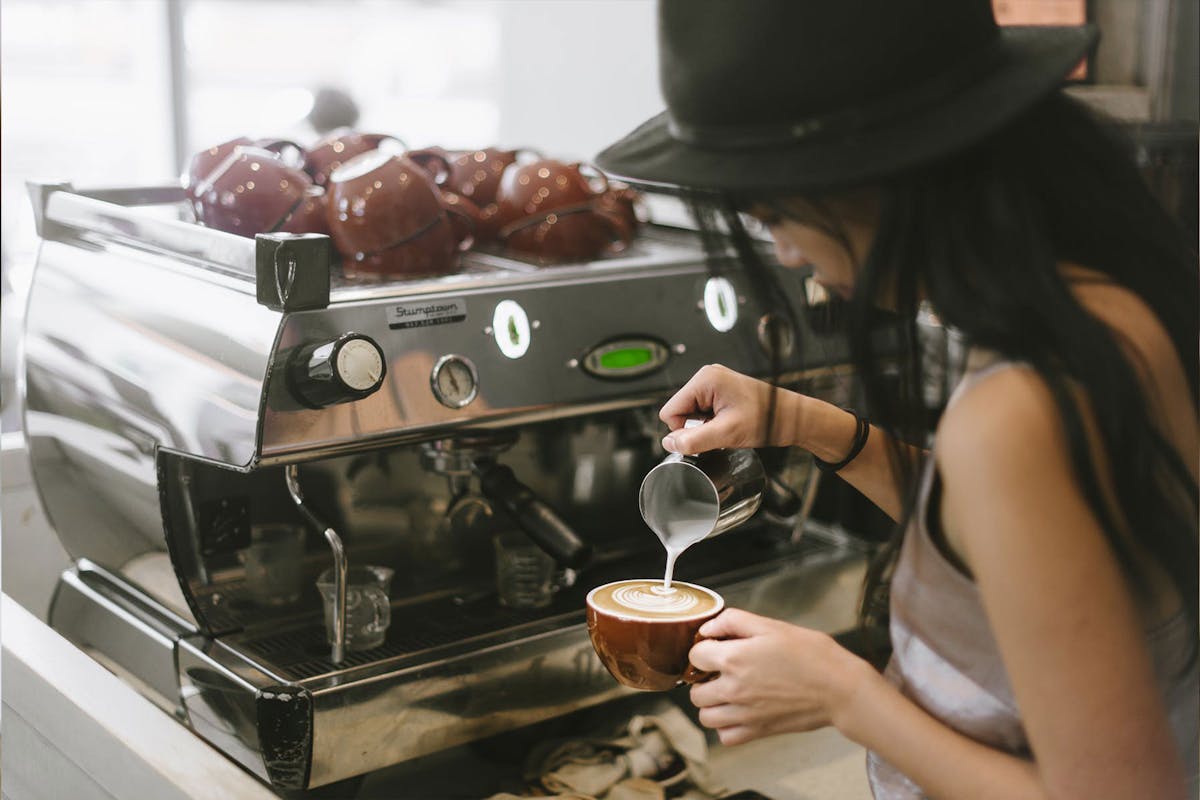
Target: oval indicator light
(510,327)
(720,304)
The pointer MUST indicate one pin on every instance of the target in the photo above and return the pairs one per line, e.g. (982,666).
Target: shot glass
(368,605)
(524,572)
(273,564)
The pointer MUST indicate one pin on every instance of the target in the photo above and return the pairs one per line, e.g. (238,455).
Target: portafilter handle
(533,515)
(292,477)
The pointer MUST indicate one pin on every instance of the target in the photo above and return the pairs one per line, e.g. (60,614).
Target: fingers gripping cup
(643,631)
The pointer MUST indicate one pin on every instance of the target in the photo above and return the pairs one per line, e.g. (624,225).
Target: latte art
(655,599)
(649,599)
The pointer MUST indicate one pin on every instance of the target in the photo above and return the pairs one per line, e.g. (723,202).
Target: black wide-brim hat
(801,95)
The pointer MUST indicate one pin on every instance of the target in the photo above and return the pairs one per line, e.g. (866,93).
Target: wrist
(858,694)
(825,430)
(789,412)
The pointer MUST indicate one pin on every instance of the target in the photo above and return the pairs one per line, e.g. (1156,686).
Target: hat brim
(1038,60)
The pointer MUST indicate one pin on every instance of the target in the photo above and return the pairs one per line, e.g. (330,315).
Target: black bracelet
(861,432)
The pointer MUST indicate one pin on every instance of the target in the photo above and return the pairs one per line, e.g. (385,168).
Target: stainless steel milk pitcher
(686,498)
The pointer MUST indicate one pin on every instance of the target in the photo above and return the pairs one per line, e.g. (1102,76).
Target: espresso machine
(184,388)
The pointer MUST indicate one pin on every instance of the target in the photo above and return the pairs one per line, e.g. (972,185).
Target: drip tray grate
(303,653)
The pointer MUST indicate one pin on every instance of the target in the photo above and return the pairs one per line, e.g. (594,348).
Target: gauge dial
(454,381)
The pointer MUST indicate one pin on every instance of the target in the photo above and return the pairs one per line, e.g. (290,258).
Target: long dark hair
(979,236)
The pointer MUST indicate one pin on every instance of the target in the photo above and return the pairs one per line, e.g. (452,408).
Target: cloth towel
(635,764)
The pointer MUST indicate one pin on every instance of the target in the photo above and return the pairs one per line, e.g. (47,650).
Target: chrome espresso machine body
(183,386)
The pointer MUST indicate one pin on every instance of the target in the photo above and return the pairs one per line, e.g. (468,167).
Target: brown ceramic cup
(204,162)
(388,218)
(575,233)
(643,639)
(339,146)
(476,174)
(251,192)
(624,202)
(466,218)
(537,187)
(310,216)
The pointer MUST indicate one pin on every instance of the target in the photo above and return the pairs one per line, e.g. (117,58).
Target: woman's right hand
(737,405)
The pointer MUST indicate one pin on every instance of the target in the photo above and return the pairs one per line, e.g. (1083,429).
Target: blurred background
(123,91)
(120,92)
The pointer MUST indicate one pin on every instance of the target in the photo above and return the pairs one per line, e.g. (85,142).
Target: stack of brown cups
(393,213)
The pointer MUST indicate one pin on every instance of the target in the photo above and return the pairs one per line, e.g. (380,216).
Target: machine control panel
(348,368)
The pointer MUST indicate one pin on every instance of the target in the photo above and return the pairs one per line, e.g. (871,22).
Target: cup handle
(623,235)
(596,176)
(464,244)
(280,147)
(693,675)
(382,609)
(423,157)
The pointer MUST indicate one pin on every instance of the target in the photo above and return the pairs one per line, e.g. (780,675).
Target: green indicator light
(624,359)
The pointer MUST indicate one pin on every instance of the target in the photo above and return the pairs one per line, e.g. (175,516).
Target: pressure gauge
(454,381)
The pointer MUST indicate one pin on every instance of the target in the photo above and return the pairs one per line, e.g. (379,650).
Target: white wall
(576,74)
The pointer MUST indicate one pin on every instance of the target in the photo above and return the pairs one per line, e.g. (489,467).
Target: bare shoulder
(1000,445)
(1003,415)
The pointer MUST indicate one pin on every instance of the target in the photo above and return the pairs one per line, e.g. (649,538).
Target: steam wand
(291,476)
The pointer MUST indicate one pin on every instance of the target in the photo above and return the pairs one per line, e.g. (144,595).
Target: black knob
(346,369)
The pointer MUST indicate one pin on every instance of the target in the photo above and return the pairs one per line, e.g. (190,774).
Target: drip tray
(436,628)
(303,653)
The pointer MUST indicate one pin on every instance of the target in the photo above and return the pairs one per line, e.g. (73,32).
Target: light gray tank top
(945,659)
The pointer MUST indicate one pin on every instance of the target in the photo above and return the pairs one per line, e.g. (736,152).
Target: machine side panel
(126,353)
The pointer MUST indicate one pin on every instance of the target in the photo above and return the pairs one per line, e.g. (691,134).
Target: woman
(1043,582)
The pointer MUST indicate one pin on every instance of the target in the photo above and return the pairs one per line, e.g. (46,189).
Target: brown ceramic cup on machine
(553,211)
(204,162)
(387,218)
(310,216)
(574,233)
(536,187)
(643,632)
(467,219)
(476,175)
(339,146)
(252,191)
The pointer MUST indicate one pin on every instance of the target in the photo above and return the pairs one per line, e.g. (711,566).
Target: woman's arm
(827,432)
(1057,599)
(738,405)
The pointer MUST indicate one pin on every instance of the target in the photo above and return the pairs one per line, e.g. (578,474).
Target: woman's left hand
(775,677)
